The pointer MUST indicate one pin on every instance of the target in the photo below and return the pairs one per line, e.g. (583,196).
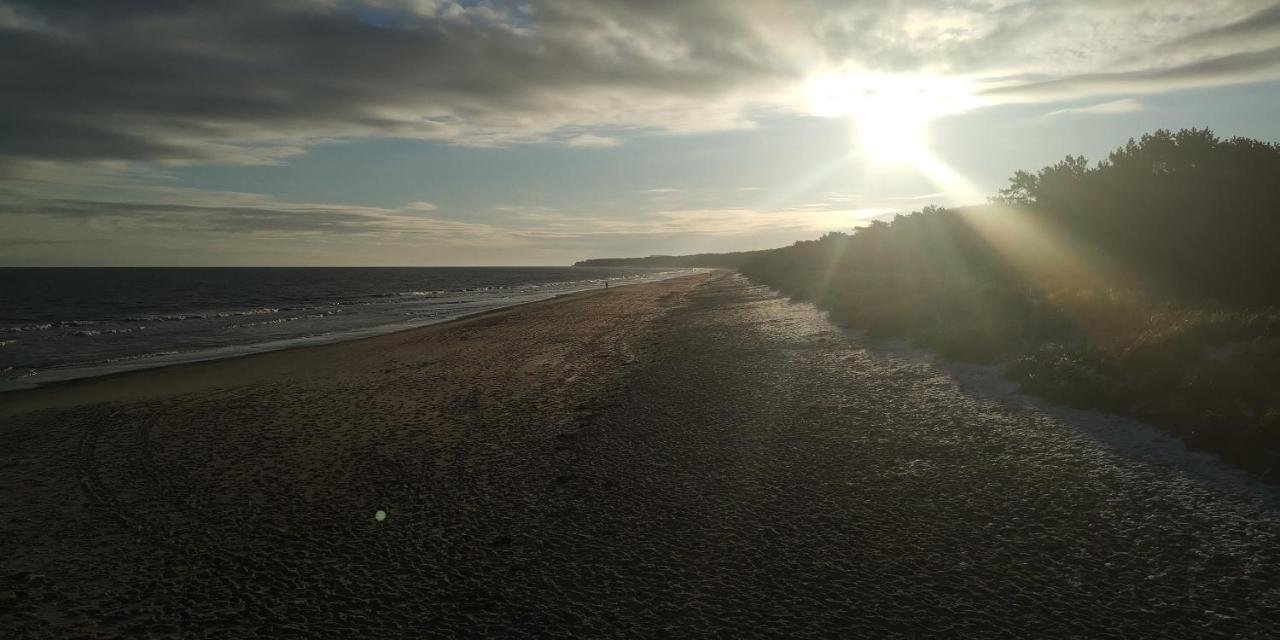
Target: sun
(892,112)
(891,135)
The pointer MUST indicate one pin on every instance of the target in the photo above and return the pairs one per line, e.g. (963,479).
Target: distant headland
(733,260)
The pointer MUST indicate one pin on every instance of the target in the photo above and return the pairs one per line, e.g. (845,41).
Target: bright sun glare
(892,112)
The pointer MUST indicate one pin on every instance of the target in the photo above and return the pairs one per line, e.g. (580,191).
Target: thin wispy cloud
(1238,68)
(592,140)
(247,216)
(1125,105)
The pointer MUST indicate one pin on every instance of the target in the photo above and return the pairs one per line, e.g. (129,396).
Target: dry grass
(1210,374)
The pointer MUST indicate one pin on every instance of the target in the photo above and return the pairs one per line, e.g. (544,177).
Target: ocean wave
(5,343)
(428,293)
(140,356)
(124,330)
(246,312)
(264,323)
(177,317)
(424,293)
(69,324)
(43,326)
(89,333)
(167,317)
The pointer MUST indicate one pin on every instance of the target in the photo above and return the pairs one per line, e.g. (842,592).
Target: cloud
(1237,68)
(1261,29)
(6,243)
(240,82)
(803,220)
(194,212)
(592,140)
(254,82)
(166,226)
(191,212)
(1125,105)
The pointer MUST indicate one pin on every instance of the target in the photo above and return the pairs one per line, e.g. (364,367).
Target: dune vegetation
(1146,284)
(731,260)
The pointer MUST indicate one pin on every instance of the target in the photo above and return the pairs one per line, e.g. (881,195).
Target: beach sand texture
(682,458)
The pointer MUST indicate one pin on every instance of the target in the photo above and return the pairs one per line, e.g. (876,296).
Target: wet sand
(684,458)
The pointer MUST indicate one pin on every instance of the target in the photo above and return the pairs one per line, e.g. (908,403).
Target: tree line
(1147,283)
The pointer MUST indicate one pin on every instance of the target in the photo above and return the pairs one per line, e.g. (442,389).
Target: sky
(443,132)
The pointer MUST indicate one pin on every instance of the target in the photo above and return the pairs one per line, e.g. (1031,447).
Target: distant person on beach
(606,283)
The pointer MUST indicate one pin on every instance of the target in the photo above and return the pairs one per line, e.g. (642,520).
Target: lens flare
(892,111)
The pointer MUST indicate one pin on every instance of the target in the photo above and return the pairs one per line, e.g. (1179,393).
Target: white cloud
(592,140)
(1125,105)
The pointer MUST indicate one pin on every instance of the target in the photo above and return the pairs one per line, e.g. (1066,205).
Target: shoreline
(17,393)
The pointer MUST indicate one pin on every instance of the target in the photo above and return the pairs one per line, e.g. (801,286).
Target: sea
(65,323)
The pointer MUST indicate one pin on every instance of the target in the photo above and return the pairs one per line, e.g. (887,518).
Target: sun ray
(892,113)
(783,194)
(947,178)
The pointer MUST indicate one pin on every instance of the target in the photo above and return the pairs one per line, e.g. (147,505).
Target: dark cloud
(7,243)
(253,81)
(1263,26)
(1236,68)
(255,215)
(115,80)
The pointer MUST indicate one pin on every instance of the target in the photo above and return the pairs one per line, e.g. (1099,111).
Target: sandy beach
(683,458)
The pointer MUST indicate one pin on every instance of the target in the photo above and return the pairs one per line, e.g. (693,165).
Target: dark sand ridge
(682,458)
